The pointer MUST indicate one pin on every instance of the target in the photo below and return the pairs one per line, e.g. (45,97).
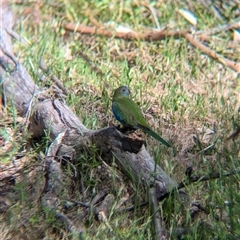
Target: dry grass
(188,97)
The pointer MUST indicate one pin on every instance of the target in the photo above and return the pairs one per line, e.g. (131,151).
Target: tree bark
(43,113)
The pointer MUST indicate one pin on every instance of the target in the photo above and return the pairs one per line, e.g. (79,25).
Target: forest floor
(188,94)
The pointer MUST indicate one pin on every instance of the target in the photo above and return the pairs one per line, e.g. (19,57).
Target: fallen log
(45,113)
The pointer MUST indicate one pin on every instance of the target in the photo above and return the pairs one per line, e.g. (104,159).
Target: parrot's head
(122,91)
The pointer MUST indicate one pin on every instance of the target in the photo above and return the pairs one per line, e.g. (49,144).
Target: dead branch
(195,208)
(76,233)
(54,116)
(231,64)
(102,211)
(156,216)
(54,78)
(159,35)
(210,176)
(99,197)
(9,171)
(218,29)
(54,187)
(193,178)
(235,134)
(130,35)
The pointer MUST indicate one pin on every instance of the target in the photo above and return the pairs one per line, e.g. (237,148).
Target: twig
(91,65)
(157,221)
(82,204)
(231,64)
(7,53)
(30,109)
(98,197)
(154,13)
(155,36)
(102,212)
(71,165)
(42,64)
(208,177)
(54,186)
(15,35)
(195,208)
(82,190)
(216,13)
(194,179)
(77,233)
(185,183)
(148,36)
(13,169)
(45,68)
(218,29)
(131,208)
(234,134)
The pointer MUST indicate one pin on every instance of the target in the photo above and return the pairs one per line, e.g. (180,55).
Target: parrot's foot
(125,129)
(132,145)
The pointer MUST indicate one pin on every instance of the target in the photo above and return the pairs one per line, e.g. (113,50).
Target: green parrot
(128,113)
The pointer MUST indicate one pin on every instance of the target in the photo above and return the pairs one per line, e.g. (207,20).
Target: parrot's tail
(155,135)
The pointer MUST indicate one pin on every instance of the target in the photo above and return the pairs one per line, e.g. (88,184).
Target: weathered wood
(54,116)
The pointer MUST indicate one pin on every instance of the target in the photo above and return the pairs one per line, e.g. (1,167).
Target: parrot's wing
(128,112)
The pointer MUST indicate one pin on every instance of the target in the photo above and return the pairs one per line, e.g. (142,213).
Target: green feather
(130,114)
(156,136)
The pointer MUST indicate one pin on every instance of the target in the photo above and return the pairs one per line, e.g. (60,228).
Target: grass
(182,92)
